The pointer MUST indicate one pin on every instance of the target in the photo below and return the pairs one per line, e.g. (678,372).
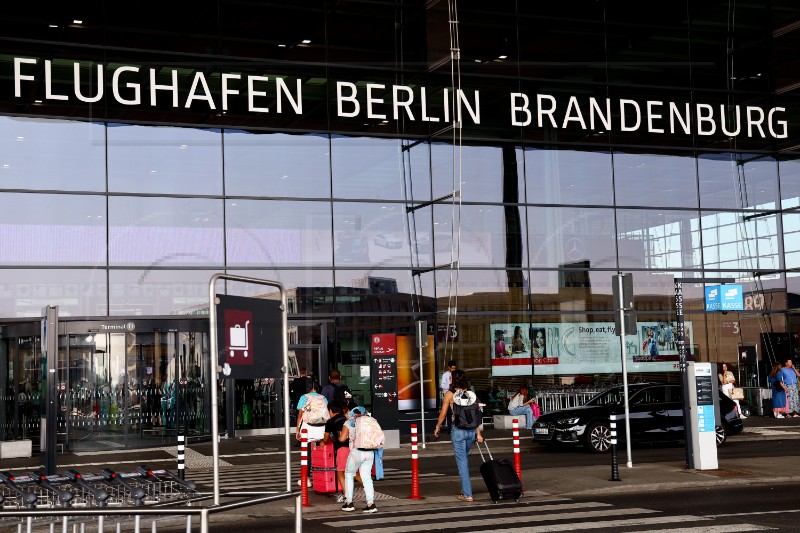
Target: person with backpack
(312,413)
(335,389)
(466,421)
(365,436)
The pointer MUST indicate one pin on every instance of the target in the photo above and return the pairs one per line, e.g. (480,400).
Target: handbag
(737,393)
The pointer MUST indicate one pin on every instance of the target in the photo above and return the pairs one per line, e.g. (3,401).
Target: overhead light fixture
(281,45)
(53,25)
(306,41)
(76,21)
(503,57)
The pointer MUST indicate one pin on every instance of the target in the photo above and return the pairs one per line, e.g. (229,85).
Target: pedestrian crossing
(273,477)
(541,516)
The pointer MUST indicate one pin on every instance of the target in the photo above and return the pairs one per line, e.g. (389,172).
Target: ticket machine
(703,415)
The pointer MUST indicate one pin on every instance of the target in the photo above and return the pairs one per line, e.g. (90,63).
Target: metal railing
(31,520)
(565,397)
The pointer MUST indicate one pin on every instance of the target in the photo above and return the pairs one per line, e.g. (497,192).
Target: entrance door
(129,390)
(97,397)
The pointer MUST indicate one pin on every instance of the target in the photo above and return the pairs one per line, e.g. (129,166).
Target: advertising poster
(583,348)
(408,373)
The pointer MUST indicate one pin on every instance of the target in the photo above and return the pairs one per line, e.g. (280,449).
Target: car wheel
(598,437)
(722,435)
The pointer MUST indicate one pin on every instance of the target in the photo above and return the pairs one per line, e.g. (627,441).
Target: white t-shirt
(516,401)
(444,384)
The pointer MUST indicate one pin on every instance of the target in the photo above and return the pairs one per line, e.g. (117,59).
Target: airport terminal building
(484,167)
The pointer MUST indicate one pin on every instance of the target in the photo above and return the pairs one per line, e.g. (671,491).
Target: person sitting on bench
(521,405)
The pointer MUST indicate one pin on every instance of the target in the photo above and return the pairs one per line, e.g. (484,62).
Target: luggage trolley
(126,480)
(90,490)
(170,486)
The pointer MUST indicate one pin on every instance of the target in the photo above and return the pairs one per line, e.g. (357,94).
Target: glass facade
(340,149)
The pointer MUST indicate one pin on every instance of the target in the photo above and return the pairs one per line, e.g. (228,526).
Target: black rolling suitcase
(500,477)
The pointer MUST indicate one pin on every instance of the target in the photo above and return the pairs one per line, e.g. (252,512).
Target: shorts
(341,458)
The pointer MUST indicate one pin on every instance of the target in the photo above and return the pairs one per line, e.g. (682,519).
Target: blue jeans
(462,440)
(524,410)
(359,460)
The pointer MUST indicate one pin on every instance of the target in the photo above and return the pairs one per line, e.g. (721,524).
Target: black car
(656,415)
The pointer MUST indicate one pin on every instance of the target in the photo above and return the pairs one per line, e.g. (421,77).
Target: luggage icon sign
(238,338)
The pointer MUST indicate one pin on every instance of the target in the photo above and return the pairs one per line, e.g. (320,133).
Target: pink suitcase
(323,456)
(323,469)
(325,481)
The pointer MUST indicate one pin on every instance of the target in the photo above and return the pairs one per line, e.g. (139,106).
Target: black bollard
(614,463)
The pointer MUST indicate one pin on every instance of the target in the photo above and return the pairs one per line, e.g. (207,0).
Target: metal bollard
(414,465)
(181,456)
(304,467)
(614,463)
(517,459)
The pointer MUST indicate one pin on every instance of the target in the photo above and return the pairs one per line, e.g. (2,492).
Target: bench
(507,421)
(13,449)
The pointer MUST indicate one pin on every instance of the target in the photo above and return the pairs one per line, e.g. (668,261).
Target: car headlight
(569,421)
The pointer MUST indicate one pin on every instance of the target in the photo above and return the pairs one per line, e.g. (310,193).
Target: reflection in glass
(655,180)
(791,239)
(277,164)
(790,183)
(660,239)
(370,233)
(52,229)
(488,235)
(307,291)
(52,154)
(164,160)
(737,181)
(76,292)
(568,177)
(158,292)
(475,170)
(730,241)
(563,236)
(165,231)
(364,167)
(269,233)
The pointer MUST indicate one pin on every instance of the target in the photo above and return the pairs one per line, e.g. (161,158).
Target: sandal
(465,498)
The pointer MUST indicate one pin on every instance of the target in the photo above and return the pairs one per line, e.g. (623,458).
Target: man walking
(790,374)
(335,389)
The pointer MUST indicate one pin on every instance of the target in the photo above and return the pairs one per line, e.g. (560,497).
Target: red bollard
(304,467)
(414,465)
(517,461)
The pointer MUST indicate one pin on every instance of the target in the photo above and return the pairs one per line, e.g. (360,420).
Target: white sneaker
(742,416)
(778,415)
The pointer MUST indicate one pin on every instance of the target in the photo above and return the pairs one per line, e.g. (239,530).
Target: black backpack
(466,410)
(341,392)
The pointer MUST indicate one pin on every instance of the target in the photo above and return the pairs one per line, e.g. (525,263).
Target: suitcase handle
(487,451)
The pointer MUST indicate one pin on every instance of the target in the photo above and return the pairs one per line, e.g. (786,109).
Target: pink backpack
(316,409)
(368,434)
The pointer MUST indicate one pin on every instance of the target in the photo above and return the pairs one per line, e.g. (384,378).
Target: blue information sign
(724,298)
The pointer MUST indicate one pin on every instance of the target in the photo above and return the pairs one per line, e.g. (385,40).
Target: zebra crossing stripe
(633,522)
(728,528)
(461,515)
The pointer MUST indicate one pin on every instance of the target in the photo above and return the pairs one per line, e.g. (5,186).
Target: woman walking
(462,439)
(779,407)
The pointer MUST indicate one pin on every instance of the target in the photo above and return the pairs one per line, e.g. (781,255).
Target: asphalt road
(709,510)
